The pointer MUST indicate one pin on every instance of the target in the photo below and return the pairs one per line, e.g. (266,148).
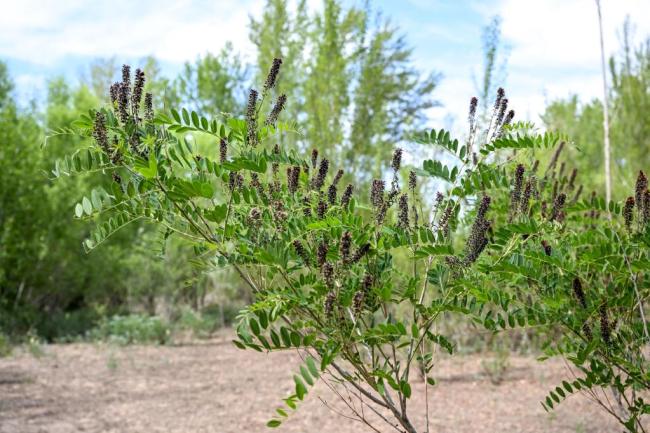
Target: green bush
(361,288)
(5,346)
(132,329)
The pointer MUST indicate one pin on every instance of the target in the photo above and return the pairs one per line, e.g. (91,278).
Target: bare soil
(211,386)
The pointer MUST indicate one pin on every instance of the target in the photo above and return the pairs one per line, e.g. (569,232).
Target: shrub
(131,329)
(5,346)
(505,245)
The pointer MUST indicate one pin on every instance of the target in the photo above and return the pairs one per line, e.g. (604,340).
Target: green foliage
(629,127)
(5,346)
(132,329)
(324,269)
(360,72)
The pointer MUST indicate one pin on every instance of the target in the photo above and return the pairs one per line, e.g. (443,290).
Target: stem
(606,147)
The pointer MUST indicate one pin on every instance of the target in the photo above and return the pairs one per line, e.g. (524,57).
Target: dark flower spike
(396,163)
(515,195)
(232,178)
(114,93)
(473,124)
(628,212)
(377,193)
(328,274)
(576,197)
(547,248)
(381,213)
(223,150)
(558,204)
(148,107)
(525,198)
(251,118)
(605,328)
(321,253)
(123,103)
(646,207)
(477,240)
(473,103)
(443,223)
(293,174)
(509,117)
(639,189)
(403,212)
(301,252)
(255,215)
(572,178)
(306,210)
(497,101)
(330,300)
(413,181)
(502,111)
(314,157)
(579,293)
(360,253)
(126,75)
(272,118)
(552,163)
(535,166)
(357,302)
(347,195)
(321,210)
(138,89)
(345,247)
(367,282)
(319,178)
(337,177)
(100,133)
(331,194)
(272,77)
(586,330)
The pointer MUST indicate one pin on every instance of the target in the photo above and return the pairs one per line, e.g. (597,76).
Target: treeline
(342,66)
(354,93)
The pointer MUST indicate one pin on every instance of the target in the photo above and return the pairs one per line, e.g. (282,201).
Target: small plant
(496,366)
(5,346)
(34,345)
(356,277)
(131,329)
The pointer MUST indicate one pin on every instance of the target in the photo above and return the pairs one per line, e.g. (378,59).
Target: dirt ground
(211,386)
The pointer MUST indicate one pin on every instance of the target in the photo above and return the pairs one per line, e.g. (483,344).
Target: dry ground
(213,387)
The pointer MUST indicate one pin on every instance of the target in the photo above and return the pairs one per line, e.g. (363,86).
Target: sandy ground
(211,386)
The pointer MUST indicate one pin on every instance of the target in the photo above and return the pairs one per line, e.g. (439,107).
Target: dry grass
(213,387)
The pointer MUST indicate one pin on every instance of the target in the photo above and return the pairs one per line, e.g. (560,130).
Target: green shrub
(132,329)
(5,346)
(507,244)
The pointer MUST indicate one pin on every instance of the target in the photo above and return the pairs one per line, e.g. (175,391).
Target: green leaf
(274,423)
(255,327)
(87,206)
(311,365)
(78,210)
(306,376)
(405,387)
(301,390)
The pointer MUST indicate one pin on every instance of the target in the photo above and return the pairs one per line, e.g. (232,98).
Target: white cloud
(172,30)
(555,46)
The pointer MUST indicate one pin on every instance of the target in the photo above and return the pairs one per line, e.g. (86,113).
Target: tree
(351,85)
(214,84)
(629,127)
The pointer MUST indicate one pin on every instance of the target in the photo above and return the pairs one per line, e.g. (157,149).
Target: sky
(552,45)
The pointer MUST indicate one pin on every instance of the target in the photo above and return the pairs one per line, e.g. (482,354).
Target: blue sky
(553,44)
